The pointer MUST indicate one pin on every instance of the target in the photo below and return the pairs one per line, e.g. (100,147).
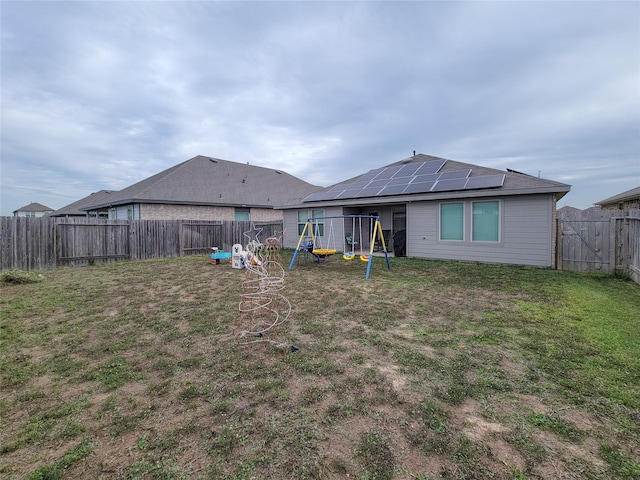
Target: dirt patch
(392,374)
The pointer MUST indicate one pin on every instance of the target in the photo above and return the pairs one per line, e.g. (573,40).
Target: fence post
(131,235)
(613,242)
(558,244)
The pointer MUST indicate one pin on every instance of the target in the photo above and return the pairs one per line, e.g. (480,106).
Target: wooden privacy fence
(45,243)
(603,241)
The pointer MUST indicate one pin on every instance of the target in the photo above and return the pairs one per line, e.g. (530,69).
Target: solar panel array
(412,178)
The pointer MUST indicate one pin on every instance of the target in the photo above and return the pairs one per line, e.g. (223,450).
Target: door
(398,237)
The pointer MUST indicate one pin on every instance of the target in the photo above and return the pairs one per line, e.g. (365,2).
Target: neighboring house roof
(424,177)
(34,207)
(633,194)
(211,181)
(568,209)
(80,207)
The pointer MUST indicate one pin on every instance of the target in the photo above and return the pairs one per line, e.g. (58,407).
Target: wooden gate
(599,241)
(586,245)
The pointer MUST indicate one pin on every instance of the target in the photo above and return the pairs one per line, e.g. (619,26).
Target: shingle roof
(34,207)
(515,183)
(621,197)
(211,181)
(81,206)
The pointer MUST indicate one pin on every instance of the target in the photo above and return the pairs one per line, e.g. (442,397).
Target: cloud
(103,94)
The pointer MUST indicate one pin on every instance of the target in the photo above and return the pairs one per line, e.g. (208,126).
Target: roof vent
(278,172)
(213,160)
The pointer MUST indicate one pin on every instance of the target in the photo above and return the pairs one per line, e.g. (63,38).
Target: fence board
(198,237)
(28,243)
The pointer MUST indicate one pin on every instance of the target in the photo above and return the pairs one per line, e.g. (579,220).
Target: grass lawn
(430,370)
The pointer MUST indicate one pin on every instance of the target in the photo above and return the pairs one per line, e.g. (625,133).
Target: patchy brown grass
(428,370)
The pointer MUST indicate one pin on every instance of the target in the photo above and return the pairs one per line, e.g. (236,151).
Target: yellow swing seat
(324,251)
(364,258)
(348,256)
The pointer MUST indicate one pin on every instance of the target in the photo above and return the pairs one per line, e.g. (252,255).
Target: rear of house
(440,209)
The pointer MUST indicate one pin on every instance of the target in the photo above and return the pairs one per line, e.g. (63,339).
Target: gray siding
(291,236)
(526,233)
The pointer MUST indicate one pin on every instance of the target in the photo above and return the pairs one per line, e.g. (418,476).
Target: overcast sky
(99,95)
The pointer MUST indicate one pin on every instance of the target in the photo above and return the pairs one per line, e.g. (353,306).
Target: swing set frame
(308,231)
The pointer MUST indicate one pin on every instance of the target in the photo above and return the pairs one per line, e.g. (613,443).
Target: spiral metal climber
(263,307)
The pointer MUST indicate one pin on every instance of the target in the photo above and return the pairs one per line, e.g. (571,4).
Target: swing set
(313,231)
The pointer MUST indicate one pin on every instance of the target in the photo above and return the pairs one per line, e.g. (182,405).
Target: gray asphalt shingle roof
(34,207)
(81,206)
(515,183)
(621,197)
(211,181)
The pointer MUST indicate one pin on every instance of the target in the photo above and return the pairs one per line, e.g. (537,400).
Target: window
(451,221)
(318,226)
(302,220)
(129,212)
(242,214)
(485,223)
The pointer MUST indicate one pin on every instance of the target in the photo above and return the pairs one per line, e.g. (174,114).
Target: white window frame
(440,222)
(499,221)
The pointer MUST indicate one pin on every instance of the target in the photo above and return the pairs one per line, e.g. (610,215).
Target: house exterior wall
(32,214)
(125,212)
(153,211)
(266,215)
(291,236)
(525,238)
(629,204)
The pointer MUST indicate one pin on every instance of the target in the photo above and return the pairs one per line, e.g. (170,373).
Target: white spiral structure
(262,306)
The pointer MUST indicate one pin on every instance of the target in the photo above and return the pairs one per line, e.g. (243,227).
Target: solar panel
(420,187)
(357,185)
(455,174)
(445,185)
(432,166)
(333,195)
(313,197)
(399,181)
(388,172)
(370,175)
(408,170)
(431,177)
(378,183)
(485,181)
(352,192)
(369,192)
(410,178)
(392,190)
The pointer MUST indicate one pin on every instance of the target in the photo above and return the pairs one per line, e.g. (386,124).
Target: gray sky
(99,95)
